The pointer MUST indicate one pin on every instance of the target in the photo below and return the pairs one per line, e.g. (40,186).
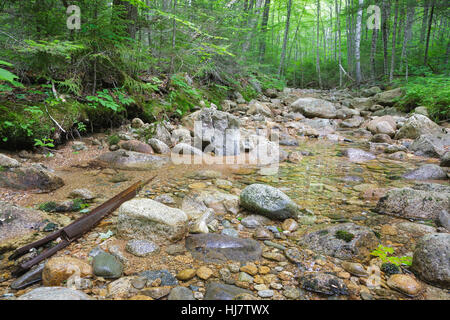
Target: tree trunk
(358,42)
(385,34)
(426,6)
(252,24)
(318,45)
(394,34)
(410,11)
(338,14)
(286,34)
(425,60)
(265,19)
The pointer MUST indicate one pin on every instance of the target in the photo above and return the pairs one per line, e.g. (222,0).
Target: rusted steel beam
(76,229)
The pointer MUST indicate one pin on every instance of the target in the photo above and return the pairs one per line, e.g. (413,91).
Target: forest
(162,57)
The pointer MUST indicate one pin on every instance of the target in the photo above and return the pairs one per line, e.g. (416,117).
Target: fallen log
(76,229)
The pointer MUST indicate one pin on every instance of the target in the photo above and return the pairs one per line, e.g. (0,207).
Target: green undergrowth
(432,92)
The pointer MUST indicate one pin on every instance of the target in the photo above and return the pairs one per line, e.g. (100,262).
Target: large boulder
(347,241)
(217,130)
(362,103)
(431,145)
(422,201)
(16,221)
(369,92)
(7,162)
(256,107)
(426,172)
(147,219)
(35,177)
(417,125)
(54,293)
(218,248)
(315,108)
(431,259)
(384,124)
(268,201)
(388,98)
(129,160)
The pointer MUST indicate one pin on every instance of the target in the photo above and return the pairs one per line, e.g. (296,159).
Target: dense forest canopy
(134,51)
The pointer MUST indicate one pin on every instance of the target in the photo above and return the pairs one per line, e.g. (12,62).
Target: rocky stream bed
(353,174)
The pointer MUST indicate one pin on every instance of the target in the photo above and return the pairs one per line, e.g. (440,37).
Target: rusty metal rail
(76,229)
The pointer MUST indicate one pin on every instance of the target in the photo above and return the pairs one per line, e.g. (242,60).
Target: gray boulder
(129,160)
(147,219)
(315,108)
(218,130)
(388,98)
(268,201)
(35,177)
(431,145)
(416,126)
(431,259)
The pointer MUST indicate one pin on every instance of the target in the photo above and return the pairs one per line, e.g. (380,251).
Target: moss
(390,268)
(48,206)
(344,235)
(77,204)
(113,139)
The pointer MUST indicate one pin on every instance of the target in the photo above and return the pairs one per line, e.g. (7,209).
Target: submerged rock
(422,201)
(107,266)
(220,291)
(167,279)
(427,172)
(54,293)
(358,155)
(16,221)
(180,293)
(215,248)
(268,201)
(325,283)
(346,241)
